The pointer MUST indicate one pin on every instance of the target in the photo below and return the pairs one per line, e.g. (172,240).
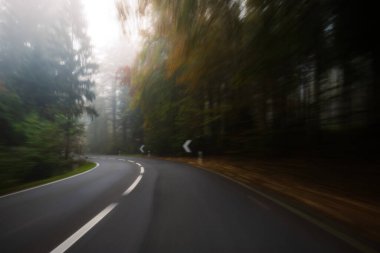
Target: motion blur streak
(280,95)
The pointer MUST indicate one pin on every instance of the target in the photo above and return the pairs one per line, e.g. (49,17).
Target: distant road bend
(130,204)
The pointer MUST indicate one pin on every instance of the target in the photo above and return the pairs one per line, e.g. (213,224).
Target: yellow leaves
(176,57)
(195,48)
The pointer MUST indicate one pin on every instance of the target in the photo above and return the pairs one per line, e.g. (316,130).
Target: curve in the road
(173,208)
(64,246)
(43,185)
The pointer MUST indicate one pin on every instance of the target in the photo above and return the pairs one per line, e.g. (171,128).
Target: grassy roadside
(80,169)
(352,202)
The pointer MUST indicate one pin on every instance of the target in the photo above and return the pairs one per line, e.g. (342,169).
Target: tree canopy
(45,86)
(255,76)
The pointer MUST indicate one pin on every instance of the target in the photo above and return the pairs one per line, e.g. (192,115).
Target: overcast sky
(110,45)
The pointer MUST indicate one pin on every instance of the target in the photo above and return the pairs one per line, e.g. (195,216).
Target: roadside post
(200,157)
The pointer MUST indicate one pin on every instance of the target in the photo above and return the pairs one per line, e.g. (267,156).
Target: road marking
(130,161)
(83,230)
(342,236)
(133,185)
(39,186)
(259,203)
(138,164)
(64,246)
(121,160)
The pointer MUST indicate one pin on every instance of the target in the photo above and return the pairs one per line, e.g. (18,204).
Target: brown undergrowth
(347,193)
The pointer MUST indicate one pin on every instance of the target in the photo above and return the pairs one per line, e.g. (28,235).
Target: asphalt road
(153,206)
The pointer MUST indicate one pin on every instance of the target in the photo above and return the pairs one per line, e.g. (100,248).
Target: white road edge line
(142,170)
(331,230)
(83,230)
(258,202)
(133,185)
(39,186)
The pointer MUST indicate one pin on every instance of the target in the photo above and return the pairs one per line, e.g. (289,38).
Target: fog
(288,89)
(239,77)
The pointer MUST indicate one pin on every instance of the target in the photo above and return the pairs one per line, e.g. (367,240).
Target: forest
(247,78)
(45,87)
(189,126)
(240,78)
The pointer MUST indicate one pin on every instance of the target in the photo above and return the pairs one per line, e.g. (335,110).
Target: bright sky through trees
(105,30)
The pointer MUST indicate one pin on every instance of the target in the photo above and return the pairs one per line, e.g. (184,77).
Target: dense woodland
(238,77)
(250,77)
(45,86)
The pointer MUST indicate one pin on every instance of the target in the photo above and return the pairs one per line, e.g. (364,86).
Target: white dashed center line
(135,183)
(83,230)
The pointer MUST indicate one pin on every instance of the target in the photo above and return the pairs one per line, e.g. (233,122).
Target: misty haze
(189,126)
